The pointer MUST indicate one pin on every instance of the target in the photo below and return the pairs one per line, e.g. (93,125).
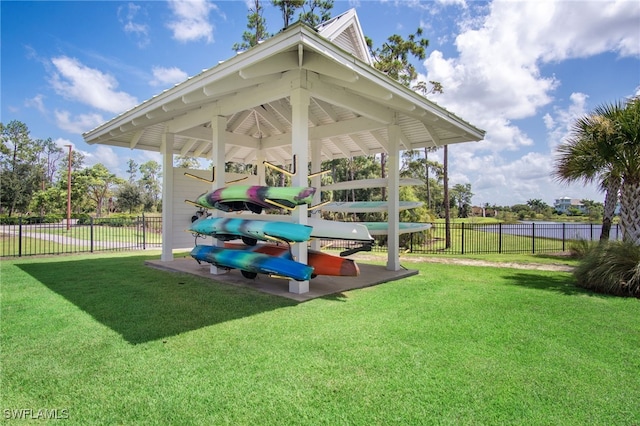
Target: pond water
(560,231)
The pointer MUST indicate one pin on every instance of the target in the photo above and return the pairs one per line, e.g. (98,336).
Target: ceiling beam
(276,64)
(341,97)
(268,116)
(136,138)
(187,146)
(323,66)
(346,127)
(199,116)
(203,146)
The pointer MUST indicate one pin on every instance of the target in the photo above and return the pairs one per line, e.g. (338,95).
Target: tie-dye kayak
(254,198)
(322,263)
(251,263)
(231,229)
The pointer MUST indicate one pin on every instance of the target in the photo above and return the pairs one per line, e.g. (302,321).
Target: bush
(579,249)
(611,268)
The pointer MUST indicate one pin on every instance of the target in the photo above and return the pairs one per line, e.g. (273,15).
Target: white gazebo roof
(351,103)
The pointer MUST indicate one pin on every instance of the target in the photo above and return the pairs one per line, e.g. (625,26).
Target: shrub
(611,268)
(579,249)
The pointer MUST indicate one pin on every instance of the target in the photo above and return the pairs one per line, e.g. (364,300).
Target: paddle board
(322,229)
(254,198)
(251,263)
(322,263)
(232,228)
(382,228)
(367,206)
(368,183)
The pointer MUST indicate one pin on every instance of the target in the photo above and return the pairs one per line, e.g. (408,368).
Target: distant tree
(257,27)
(129,197)
(537,205)
(393,57)
(100,184)
(461,196)
(288,9)
(185,162)
(132,170)
(316,12)
(150,183)
(593,209)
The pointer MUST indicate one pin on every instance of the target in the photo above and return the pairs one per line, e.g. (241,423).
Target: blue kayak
(252,263)
(230,229)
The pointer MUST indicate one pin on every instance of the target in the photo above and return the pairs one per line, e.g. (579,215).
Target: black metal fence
(29,236)
(478,238)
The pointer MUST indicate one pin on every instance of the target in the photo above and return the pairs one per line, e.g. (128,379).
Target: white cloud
(78,124)
(36,102)
(104,155)
(90,86)
(128,16)
(496,79)
(64,143)
(191,20)
(558,127)
(167,76)
(497,71)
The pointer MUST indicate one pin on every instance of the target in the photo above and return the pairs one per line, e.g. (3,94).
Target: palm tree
(605,145)
(578,159)
(627,162)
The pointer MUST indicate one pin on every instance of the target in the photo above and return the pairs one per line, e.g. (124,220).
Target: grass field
(114,342)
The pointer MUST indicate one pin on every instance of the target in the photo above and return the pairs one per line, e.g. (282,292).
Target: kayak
(231,229)
(255,198)
(251,263)
(322,263)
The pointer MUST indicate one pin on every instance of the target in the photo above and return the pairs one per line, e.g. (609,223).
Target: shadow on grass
(144,304)
(557,283)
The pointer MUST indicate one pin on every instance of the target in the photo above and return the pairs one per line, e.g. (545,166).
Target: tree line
(34,179)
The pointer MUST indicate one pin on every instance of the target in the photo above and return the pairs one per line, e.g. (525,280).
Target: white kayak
(368,183)
(382,228)
(367,206)
(324,229)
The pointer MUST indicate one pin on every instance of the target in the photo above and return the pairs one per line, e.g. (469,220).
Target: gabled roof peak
(345,31)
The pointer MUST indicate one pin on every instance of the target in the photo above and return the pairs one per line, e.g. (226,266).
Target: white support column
(300,148)
(218,128)
(260,157)
(316,163)
(167,197)
(393,199)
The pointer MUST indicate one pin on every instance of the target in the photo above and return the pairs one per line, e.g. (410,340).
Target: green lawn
(115,342)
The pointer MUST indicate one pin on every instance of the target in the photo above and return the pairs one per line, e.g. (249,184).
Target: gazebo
(305,93)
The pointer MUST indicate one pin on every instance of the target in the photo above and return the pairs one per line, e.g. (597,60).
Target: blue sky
(520,70)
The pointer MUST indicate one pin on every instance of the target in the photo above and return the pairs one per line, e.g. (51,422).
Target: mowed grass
(115,342)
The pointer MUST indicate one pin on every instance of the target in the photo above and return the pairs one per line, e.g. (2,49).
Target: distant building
(562,205)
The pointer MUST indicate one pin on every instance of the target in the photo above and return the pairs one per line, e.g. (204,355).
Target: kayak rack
(293,173)
(213,173)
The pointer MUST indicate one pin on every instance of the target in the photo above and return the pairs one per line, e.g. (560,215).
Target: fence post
(533,238)
(591,230)
(144,235)
(91,233)
(500,237)
(20,236)
(462,229)
(563,234)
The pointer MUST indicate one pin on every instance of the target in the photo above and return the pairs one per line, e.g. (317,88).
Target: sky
(523,71)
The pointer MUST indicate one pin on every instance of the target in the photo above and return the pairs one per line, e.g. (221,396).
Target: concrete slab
(320,286)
